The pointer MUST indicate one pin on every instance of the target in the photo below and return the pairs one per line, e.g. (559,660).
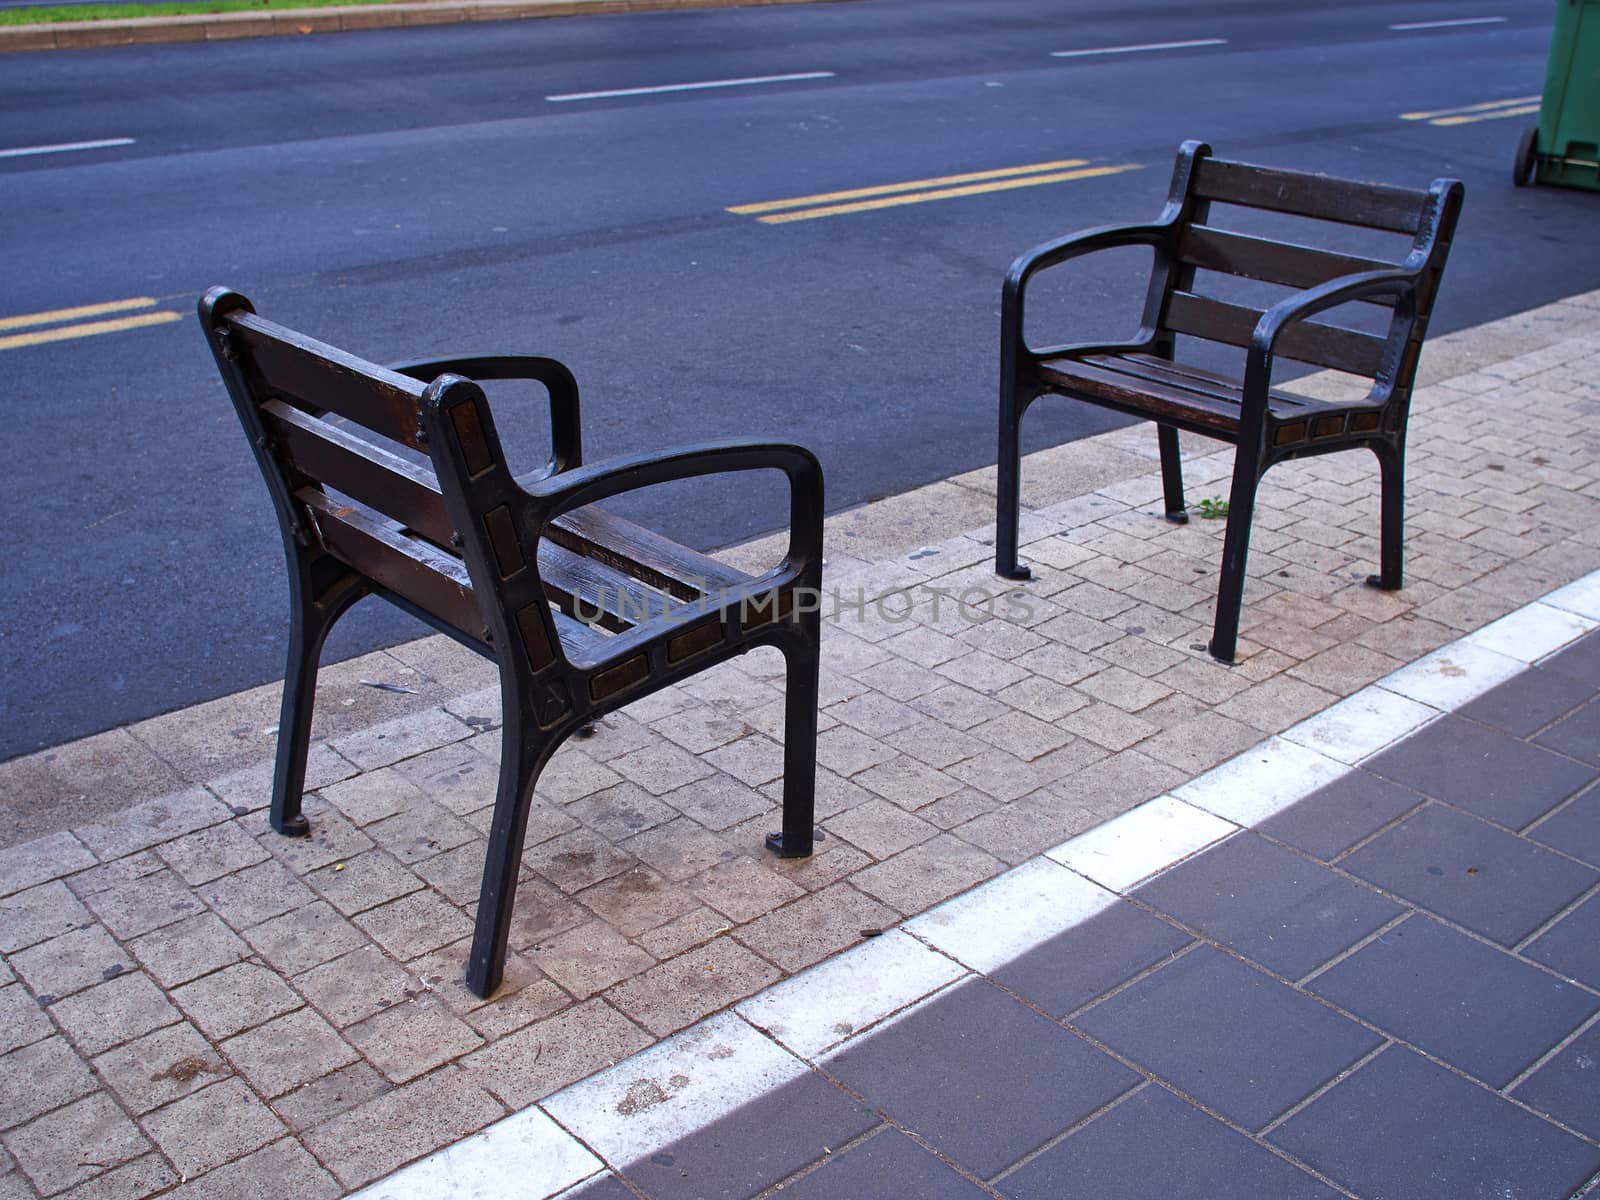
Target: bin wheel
(1522,165)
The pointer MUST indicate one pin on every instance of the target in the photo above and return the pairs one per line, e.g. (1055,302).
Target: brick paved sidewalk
(1391,988)
(190,1000)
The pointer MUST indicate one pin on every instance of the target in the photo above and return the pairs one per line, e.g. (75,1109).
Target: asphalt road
(409,192)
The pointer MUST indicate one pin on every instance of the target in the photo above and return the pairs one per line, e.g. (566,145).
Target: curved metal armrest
(1263,342)
(1051,254)
(566,440)
(586,485)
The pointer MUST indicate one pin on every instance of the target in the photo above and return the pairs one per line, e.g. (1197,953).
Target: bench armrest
(585,485)
(1053,253)
(566,441)
(1399,282)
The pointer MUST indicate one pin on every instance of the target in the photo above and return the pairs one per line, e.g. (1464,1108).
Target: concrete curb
(219,27)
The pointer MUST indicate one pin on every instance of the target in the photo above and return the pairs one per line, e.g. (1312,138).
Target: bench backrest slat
(1286,263)
(1370,205)
(368,473)
(434,581)
(325,378)
(1307,341)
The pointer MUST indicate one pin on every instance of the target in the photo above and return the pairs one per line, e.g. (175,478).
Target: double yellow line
(75,323)
(1467,114)
(921,191)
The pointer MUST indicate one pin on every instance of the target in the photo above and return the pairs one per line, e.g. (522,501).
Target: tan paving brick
(284,1167)
(920,877)
(41,860)
(590,958)
(379,1135)
(359,884)
(38,914)
(414,924)
(811,928)
(677,993)
(636,900)
(211,1126)
(743,888)
(545,1056)
(101,1136)
(71,962)
(124,1007)
(39,1077)
(255,894)
(288,1051)
(323,1099)
(412,1038)
(161,1067)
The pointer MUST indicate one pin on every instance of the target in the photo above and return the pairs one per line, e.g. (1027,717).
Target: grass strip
(51,14)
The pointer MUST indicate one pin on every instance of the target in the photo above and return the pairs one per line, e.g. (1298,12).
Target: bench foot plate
(775,844)
(296,826)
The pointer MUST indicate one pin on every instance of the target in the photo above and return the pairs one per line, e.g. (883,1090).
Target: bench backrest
(289,391)
(1426,219)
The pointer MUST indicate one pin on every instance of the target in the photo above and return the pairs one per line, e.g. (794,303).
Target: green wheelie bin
(1564,148)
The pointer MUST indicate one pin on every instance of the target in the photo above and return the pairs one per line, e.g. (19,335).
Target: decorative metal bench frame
(582,611)
(1142,376)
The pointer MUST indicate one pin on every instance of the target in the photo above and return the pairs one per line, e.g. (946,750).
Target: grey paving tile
(1403,1128)
(1074,967)
(601,1187)
(1469,1004)
(979,1075)
(1580,660)
(1565,1086)
(1154,1144)
(756,1146)
(1575,829)
(1491,881)
(887,1164)
(1577,735)
(1526,703)
(1271,905)
(1572,944)
(1332,819)
(1482,770)
(1234,1038)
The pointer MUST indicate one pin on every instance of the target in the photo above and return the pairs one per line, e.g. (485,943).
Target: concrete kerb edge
(708,1070)
(73,35)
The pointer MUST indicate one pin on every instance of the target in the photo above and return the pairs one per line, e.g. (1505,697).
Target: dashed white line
(689,87)
(1452,24)
(1139,49)
(64,147)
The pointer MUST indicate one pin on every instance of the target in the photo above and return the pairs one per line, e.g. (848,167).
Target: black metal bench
(1143,377)
(582,611)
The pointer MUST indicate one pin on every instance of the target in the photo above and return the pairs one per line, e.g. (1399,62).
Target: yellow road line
(64,333)
(999,185)
(1522,111)
(75,314)
(1468,108)
(913,185)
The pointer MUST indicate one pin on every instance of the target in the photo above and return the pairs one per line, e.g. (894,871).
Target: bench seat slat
(1285,263)
(1185,397)
(1307,341)
(1371,205)
(591,590)
(662,563)
(327,379)
(386,482)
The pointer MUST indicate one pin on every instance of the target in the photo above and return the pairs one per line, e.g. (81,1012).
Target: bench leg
(1172,475)
(1235,550)
(309,622)
(803,658)
(1008,487)
(1392,516)
(524,750)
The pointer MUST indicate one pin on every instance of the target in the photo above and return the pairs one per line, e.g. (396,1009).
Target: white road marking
(64,147)
(1139,49)
(1455,24)
(688,87)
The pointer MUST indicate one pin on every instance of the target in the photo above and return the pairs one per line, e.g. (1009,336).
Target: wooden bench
(582,611)
(1144,377)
